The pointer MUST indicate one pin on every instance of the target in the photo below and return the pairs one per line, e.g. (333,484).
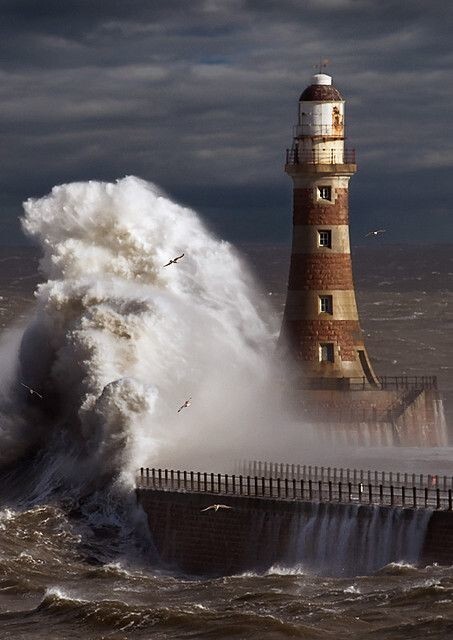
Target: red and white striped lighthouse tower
(321,324)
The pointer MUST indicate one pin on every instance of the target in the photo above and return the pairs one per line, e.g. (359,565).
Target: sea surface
(69,569)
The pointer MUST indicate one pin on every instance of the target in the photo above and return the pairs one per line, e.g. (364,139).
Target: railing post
(294,489)
(339,492)
(219,483)
(159,475)
(166,476)
(278,487)
(248,485)
(147,477)
(426,496)
(310,489)
(381,493)
(330,491)
(240,485)
(270,487)
(403,495)
(360,491)
(302,488)
(226,483)
(286,487)
(449,500)
(233,483)
(198,481)
(437,498)
(212,483)
(184,479)
(320,490)
(414,497)
(205,478)
(255,479)
(141,473)
(370,493)
(391,495)
(178,478)
(172,473)
(349,492)
(263,486)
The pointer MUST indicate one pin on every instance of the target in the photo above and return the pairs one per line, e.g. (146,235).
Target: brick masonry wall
(320,272)
(438,546)
(303,336)
(308,210)
(254,535)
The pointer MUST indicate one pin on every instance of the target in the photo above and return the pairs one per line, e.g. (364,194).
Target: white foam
(124,340)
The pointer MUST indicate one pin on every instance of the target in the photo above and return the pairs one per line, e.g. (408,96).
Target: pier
(337,527)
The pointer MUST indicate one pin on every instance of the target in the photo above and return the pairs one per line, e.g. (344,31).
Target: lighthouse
(321,324)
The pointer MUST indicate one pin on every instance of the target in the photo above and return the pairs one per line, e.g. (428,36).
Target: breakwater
(262,524)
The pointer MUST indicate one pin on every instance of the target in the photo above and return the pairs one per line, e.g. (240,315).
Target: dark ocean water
(75,566)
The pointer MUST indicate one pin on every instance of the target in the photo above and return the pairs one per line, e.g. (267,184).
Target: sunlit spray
(125,339)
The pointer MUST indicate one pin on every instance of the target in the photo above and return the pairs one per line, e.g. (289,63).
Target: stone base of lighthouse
(411,416)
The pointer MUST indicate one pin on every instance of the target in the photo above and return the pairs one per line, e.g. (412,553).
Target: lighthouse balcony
(295,156)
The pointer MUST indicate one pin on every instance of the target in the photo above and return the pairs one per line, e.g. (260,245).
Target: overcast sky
(200,96)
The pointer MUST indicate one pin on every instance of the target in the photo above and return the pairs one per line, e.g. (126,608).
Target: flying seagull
(375,233)
(216,507)
(174,261)
(187,403)
(32,391)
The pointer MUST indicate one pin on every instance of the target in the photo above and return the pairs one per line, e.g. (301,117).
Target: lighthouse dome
(321,89)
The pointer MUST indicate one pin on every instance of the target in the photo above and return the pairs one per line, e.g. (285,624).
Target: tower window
(325,304)
(325,238)
(325,193)
(326,352)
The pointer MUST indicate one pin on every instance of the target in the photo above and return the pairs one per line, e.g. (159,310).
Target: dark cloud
(200,97)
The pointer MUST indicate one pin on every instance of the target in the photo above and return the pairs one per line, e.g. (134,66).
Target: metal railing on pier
(318,473)
(278,488)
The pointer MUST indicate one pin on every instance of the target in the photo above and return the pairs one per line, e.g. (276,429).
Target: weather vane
(322,64)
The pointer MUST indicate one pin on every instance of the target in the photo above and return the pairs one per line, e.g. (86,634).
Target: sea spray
(120,341)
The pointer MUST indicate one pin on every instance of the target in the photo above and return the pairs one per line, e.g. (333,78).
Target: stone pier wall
(256,533)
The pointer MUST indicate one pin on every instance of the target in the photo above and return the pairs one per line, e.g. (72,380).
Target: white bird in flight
(375,233)
(32,391)
(187,403)
(174,260)
(216,507)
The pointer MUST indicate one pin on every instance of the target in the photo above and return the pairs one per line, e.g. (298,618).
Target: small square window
(326,353)
(325,193)
(325,238)
(325,304)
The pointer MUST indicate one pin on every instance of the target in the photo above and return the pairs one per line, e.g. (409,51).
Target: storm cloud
(200,98)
